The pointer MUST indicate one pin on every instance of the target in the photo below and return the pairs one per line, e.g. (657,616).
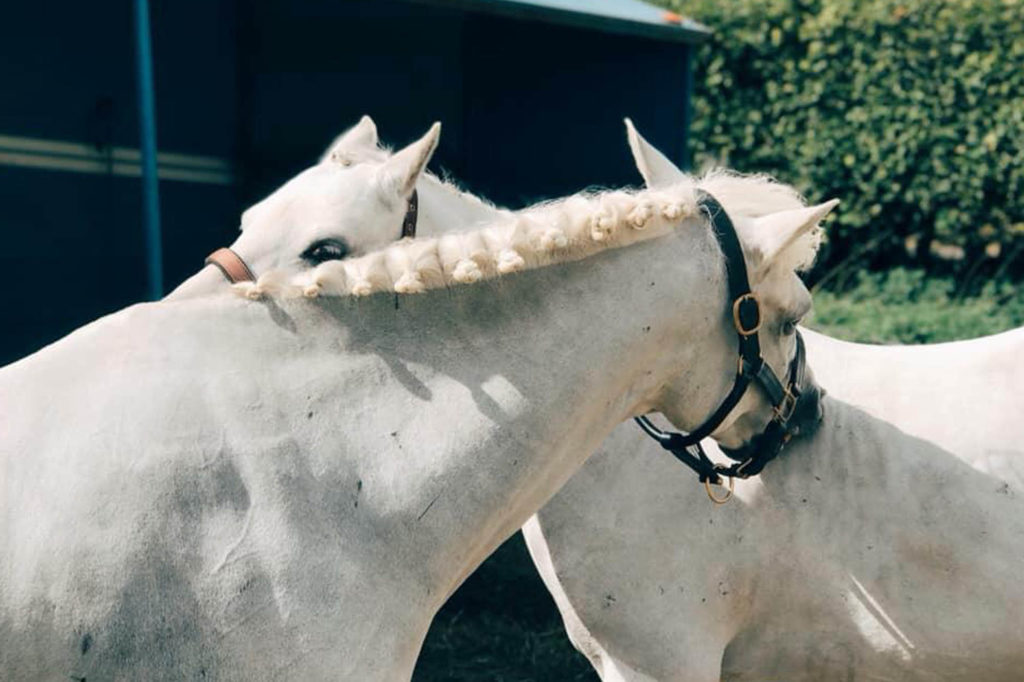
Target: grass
(501,624)
(904,306)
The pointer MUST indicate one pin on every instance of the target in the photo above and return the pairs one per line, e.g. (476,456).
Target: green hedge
(911,112)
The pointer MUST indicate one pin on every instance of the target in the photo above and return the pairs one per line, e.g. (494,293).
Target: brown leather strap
(409,223)
(235,270)
(232,265)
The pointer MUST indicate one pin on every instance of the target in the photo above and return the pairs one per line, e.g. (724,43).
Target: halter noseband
(796,404)
(235,269)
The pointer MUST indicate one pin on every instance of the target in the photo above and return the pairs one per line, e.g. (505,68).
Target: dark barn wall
(196,73)
(73,242)
(530,110)
(545,103)
(312,68)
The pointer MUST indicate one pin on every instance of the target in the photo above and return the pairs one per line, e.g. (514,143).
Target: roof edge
(689,32)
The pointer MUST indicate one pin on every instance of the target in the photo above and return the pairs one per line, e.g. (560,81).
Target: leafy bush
(910,111)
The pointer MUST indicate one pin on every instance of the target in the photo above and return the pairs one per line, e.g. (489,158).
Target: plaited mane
(555,232)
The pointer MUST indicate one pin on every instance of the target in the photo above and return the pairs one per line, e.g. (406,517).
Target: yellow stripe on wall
(77,157)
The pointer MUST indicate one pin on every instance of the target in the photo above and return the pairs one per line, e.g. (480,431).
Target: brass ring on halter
(737,322)
(785,409)
(729,492)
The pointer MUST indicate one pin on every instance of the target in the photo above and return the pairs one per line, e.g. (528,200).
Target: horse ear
(362,135)
(787,238)
(654,166)
(401,171)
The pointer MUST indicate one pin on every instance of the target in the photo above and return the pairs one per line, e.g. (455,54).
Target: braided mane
(549,233)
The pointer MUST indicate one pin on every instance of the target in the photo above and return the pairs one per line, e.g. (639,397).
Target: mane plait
(549,233)
(546,234)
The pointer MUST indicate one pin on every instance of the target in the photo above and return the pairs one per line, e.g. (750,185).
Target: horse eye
(789,326)
(325,250)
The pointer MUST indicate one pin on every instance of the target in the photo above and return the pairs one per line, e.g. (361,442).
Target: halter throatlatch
(412,211)
(236,270)
(796,404)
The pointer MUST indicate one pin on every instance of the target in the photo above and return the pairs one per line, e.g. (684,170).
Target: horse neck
(208,280)
(445,208)
(859,474)
(895,521)
(395,442)
(496,393)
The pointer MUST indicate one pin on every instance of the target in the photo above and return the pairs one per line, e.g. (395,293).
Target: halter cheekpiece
(236,270)
(796,403)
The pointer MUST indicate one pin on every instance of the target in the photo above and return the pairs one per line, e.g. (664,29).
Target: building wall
(70,211)
(312,68)
(258,89)
(544,106)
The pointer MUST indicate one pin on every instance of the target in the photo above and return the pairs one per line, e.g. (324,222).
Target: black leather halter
(412,211)
(797,403)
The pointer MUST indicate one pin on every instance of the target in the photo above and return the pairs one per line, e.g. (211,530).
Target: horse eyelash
(334,244)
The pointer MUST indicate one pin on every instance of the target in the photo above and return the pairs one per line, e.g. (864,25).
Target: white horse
(892,364)
(330,219)
(216,487)
(888,546)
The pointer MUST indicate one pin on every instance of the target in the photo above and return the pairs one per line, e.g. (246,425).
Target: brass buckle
(784,410)
(744,465)
(728,494)
(736,314)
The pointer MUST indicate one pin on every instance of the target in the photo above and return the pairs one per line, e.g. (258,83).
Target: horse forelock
(757,195)
(554,232)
